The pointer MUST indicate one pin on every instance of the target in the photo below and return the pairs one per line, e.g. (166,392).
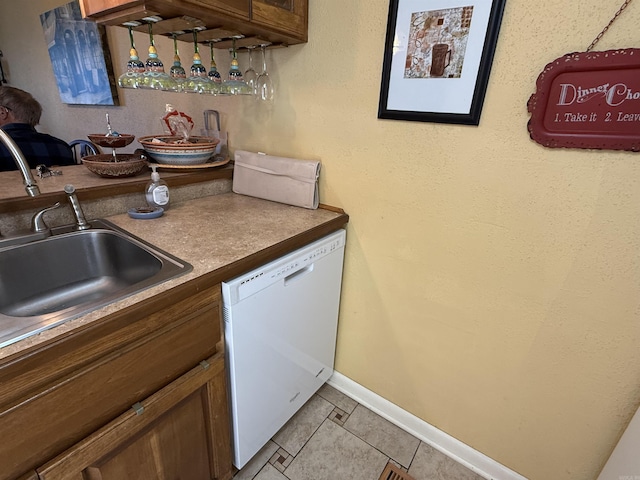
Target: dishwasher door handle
(298,274)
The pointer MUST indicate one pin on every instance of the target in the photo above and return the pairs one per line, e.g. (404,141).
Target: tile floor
(333,437)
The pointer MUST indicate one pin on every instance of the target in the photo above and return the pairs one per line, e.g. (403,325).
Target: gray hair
(24,107)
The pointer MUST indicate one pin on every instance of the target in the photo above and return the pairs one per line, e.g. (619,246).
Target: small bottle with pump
(157,192)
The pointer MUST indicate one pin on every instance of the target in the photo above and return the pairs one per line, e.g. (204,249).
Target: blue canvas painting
(79,56)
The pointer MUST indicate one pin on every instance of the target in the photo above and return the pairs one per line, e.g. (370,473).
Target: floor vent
(392,472)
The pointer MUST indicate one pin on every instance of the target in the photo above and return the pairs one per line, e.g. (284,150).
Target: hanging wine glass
(154,76)
(177,71)
(250,75)
(265,90)
(235,84)
(214,74)
(135,67)
(198,82)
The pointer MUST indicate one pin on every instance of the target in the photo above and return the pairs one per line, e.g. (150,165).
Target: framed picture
(437,59)
(80,57)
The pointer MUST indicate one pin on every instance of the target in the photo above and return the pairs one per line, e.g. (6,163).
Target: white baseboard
(445,443)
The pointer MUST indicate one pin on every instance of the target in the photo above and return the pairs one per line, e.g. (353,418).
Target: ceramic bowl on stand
(172,150)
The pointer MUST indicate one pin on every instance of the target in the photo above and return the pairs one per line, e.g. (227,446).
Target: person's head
(18,106)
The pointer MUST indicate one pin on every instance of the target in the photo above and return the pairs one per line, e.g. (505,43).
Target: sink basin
(50,281)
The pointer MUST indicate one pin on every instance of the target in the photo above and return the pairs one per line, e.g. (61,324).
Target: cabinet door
(287,16)
(182,431)
(29,476)
(54,397)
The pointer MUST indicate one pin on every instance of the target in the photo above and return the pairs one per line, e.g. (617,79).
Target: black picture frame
(416,84)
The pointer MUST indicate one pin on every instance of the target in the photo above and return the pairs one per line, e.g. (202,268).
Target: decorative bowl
(167,150)
(116,141)
(128,165)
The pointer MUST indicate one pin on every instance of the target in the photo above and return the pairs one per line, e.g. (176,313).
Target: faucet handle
(37,222)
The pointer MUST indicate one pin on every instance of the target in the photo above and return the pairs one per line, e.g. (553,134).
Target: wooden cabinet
(111,10)
(59,396)
(175,433)
(280,22)
(94,8)
(288,16)
(29,476)
(237,8)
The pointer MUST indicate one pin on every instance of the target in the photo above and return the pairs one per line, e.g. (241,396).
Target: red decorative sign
(588,100)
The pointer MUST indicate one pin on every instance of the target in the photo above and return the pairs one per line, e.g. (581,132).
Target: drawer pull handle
(205,364)
(138,408)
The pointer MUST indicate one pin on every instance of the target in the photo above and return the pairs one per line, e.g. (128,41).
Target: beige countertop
(12,184)
(220,235)
(89,186)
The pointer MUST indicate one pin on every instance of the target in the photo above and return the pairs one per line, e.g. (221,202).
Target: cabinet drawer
(92,383)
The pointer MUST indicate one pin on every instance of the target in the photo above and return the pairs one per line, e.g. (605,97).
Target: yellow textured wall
(491,285)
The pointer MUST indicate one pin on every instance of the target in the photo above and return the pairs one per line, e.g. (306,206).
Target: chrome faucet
(38,224)
(29,182)
(39,230)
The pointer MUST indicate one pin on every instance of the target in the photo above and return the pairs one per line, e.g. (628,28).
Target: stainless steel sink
(50,281)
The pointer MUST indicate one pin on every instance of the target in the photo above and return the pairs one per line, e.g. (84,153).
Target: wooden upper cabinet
(241,8)
(92,8)
(114,12)
(290,16)
(282,22)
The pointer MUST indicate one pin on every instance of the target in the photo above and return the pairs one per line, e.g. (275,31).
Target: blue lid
(145,213)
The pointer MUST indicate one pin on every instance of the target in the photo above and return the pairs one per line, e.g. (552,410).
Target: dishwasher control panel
(316,254)
(280,269)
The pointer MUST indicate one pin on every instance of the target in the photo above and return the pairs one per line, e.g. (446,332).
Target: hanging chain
(604,30)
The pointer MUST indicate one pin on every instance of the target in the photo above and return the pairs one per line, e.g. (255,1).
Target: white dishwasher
(280,333)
